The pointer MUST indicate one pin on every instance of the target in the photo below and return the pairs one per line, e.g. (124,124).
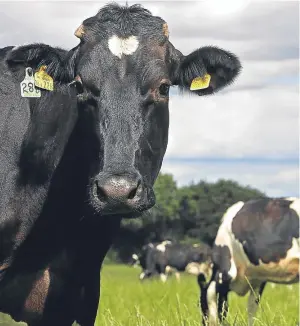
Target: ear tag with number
(200,82)
(27,85)
(43,80)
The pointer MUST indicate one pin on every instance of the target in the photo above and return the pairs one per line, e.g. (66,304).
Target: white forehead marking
(119,46)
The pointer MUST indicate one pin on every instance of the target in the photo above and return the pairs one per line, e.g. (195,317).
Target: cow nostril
(133,192)
(101,194)
(98,191)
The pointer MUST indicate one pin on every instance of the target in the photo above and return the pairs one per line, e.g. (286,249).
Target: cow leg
(177,275)
(253,302)
(223,290)
(163,272)
(163,277)
(212,303)
(142,276)
(203,299)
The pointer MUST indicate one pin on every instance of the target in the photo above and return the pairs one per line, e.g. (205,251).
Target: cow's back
(180,255)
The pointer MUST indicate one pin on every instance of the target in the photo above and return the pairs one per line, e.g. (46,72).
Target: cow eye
(164,89)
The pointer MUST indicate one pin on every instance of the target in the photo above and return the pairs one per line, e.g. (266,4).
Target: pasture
(125,301)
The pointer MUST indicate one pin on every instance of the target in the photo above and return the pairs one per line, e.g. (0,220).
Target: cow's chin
(127,211)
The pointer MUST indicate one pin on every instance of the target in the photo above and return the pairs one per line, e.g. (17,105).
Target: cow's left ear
(206,70)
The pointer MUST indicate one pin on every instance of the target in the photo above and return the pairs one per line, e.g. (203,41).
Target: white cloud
(259,74)
(274,180)
(236,124)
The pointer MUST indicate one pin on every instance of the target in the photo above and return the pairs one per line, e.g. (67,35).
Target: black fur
(59,151)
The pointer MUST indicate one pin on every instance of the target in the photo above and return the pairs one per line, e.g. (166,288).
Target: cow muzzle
(120,194)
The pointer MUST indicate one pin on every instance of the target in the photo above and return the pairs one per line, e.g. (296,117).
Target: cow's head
(202,270)
(145,261)
(123,69)
(126,65)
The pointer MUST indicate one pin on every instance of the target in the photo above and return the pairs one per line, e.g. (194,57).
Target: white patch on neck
(119,46)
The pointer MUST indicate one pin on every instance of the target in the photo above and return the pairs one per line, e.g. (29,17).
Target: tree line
(189,214)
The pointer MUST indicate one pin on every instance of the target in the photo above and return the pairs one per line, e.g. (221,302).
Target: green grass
(125,301)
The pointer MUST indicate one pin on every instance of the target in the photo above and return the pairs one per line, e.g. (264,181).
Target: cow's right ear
(205,70)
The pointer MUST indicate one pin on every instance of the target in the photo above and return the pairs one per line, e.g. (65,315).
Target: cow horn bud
(166,29)
(79,31)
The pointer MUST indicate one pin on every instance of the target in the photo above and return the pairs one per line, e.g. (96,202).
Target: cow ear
(32,54)
(206,70)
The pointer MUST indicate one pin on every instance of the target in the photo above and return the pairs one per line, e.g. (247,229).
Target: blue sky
(250,131)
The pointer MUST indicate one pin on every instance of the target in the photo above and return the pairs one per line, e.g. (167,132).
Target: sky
(249,132)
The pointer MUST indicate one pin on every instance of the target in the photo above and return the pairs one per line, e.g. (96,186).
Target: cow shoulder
(266,229)
(222,251)
(223,237)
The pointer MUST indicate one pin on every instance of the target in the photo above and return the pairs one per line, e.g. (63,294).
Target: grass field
(125,301)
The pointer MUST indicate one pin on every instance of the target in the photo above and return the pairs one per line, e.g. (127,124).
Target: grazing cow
(83,136)
(167,257)
(257,242)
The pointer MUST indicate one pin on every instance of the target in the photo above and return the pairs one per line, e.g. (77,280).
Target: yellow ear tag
(43,80)
(200,82)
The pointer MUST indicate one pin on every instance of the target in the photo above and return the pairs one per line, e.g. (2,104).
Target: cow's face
(126,65)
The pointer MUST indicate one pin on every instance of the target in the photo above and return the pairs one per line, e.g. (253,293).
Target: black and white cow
(257,242)
(81,146)
(167,257)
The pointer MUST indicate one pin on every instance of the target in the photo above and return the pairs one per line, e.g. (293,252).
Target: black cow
(80,157)
(167,257)
(257,242)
